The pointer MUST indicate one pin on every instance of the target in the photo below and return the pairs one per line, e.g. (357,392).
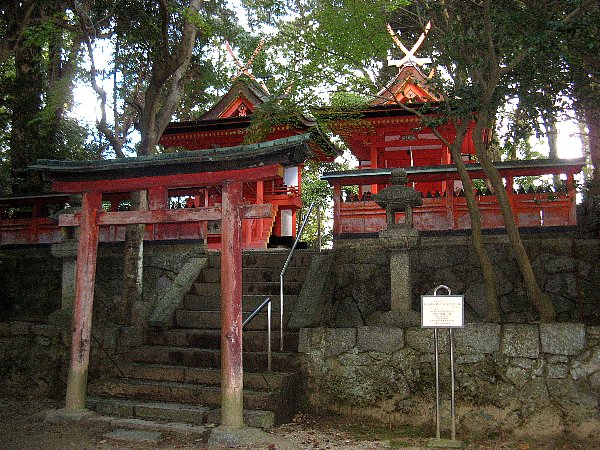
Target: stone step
(275,258)
(272,287)
(172,412)
(207,289)
(249,302)
(185,318)
(211,339)
(250,274)
(174,392)
(250,287)
(257,381)
(272,258)
(207,358)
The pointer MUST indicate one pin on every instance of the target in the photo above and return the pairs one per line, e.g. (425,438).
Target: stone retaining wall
(357,288)
(531,380)
(30,279)
(30,282)
(566,269)
(35,358)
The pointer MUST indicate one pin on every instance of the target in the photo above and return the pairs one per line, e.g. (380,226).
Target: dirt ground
(22,428)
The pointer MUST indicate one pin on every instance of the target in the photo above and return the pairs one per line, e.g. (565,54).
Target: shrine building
(225,125)
(216,139)
(383,136)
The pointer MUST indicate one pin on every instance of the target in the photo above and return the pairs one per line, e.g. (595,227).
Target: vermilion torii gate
(228,167)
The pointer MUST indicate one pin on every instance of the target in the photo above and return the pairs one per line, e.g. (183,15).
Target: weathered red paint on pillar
(84,301)
(232,405)
(374,162)
(158,198)
(294,223)
(260,199)
(337,198)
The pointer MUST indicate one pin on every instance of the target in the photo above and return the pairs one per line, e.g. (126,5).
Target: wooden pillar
(84,301)
(337,199)
(232,406)
(260,199)
(294,223)
(158,198)
(374,162)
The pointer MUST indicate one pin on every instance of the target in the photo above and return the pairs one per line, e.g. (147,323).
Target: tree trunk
(26,105)
(487,269)
(536,296)
(133,261)
(592,118)
(160,100)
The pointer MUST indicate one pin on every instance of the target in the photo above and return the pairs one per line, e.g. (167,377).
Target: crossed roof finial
(409,55)
(243,68)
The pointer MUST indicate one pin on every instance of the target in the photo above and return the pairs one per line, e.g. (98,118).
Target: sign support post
(443,311)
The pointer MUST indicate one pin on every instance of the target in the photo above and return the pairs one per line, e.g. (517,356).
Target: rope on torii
(409,55)
(243,68)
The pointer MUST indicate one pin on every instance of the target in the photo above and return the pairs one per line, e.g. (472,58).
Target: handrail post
(285,266)
(267,303)
(281,311)
(269,354)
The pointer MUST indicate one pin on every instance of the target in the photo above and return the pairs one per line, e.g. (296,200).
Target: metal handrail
(254,313)
(285,266)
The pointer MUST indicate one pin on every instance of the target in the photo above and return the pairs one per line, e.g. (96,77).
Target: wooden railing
(451,213)
(283,190)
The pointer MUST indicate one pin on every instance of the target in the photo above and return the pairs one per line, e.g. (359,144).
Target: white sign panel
(442,311)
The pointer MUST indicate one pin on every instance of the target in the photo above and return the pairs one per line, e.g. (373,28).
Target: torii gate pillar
(232,384)
(84,301)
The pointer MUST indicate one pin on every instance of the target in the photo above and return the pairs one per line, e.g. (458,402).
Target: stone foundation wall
(531,380)
(567,270)
(30,279)
(35,358)
(30,283)
(35,355)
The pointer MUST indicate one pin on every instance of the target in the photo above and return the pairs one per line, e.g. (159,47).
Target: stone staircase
(175,375)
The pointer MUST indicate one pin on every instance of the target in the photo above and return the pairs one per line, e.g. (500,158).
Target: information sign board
(442,311)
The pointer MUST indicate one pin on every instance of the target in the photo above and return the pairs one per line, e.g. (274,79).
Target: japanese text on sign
(442,311)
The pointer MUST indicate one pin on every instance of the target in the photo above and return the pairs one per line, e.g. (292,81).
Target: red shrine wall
(392,142)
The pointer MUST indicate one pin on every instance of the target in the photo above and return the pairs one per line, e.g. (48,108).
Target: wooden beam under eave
(185,180)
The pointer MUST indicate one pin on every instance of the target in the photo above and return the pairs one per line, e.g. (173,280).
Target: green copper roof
(286,151)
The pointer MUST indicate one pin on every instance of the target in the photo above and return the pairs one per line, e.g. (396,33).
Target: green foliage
(317,190)
(270,114)
(344,101)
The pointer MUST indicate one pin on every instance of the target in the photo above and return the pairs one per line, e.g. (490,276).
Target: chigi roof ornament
(243,68)
(409,55)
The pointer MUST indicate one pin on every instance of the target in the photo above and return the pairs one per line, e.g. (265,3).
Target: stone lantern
(398,198)
(399,238)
